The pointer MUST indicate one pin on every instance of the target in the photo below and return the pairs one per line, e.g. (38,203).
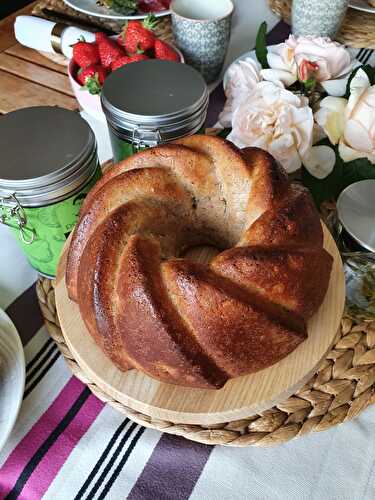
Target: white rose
(333,62)
(351,123)
(331,117)
(358,140)
(281,60)
(276,120)
(242,77)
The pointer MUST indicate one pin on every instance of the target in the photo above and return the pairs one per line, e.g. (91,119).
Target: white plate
(356,211)
(92,9)
(362,5)
(12,376)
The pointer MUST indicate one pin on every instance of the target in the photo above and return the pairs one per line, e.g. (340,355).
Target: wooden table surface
(26,77)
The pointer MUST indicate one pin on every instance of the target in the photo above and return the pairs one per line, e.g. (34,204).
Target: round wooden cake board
(239,398)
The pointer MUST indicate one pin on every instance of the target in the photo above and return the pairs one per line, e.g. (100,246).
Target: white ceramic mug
(202,32)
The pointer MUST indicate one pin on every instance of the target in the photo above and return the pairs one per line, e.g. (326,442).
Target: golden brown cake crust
(183,322)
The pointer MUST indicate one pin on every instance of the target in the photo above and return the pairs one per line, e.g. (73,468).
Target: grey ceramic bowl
(356,211)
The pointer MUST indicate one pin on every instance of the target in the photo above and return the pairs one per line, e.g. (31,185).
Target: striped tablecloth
(67,444)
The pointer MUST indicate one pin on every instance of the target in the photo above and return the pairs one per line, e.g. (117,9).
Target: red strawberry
(127,60)
(138,57)
(153,5)
(164,51)
(121,61)
(100,36)
(137,36)
(109,51)
(92,78)
(85,54)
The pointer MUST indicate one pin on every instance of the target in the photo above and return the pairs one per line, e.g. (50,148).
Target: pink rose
(333,62)
(326,61)
(307,70)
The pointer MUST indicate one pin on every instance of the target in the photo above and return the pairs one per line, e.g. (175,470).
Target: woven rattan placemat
(357,30)
(343,386)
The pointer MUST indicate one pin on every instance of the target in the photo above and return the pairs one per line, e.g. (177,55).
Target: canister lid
(42,147)
(153,93)
(356,212)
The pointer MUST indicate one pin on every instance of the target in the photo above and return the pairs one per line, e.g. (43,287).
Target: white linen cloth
(35,33)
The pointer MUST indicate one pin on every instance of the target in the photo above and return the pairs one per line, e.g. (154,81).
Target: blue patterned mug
(202,33)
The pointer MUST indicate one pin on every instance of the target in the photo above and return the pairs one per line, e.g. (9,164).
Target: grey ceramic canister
(318,17)
(202,32)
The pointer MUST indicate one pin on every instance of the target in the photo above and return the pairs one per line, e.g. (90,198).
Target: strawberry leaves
(92,84)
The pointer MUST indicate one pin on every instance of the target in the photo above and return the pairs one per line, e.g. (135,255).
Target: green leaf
(261,45)
(224,133)
(309,84)
(370,72)
(150,22)
(357,170)
(342,176)
(93,85)
(79,39)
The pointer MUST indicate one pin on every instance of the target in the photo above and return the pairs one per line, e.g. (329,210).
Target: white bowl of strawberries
(93,62)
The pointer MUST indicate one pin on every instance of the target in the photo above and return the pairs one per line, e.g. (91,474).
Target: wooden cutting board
(240,397)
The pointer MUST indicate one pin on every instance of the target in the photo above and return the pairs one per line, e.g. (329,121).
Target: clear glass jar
(49,163)
(153,102)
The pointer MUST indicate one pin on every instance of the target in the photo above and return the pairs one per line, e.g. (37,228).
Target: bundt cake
(183,322)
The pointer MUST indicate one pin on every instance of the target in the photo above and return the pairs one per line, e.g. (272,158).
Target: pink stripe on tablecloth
(56,456)
(26,448)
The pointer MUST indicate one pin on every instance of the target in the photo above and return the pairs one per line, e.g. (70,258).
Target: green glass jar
(152,102)
(49,163)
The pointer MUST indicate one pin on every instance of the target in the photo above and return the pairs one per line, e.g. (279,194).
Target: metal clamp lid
(44,171)
(139,134)
(154,94)
(10,207)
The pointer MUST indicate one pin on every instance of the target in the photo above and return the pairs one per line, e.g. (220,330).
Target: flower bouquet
(311,105)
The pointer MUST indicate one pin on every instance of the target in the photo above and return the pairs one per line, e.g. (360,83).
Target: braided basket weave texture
(343,386)
(357,30)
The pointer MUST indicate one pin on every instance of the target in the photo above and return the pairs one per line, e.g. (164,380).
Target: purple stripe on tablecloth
(215,106)
(172,470)
(25,314)
(278,34)
(50,465)
(217,99)
(34,439)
